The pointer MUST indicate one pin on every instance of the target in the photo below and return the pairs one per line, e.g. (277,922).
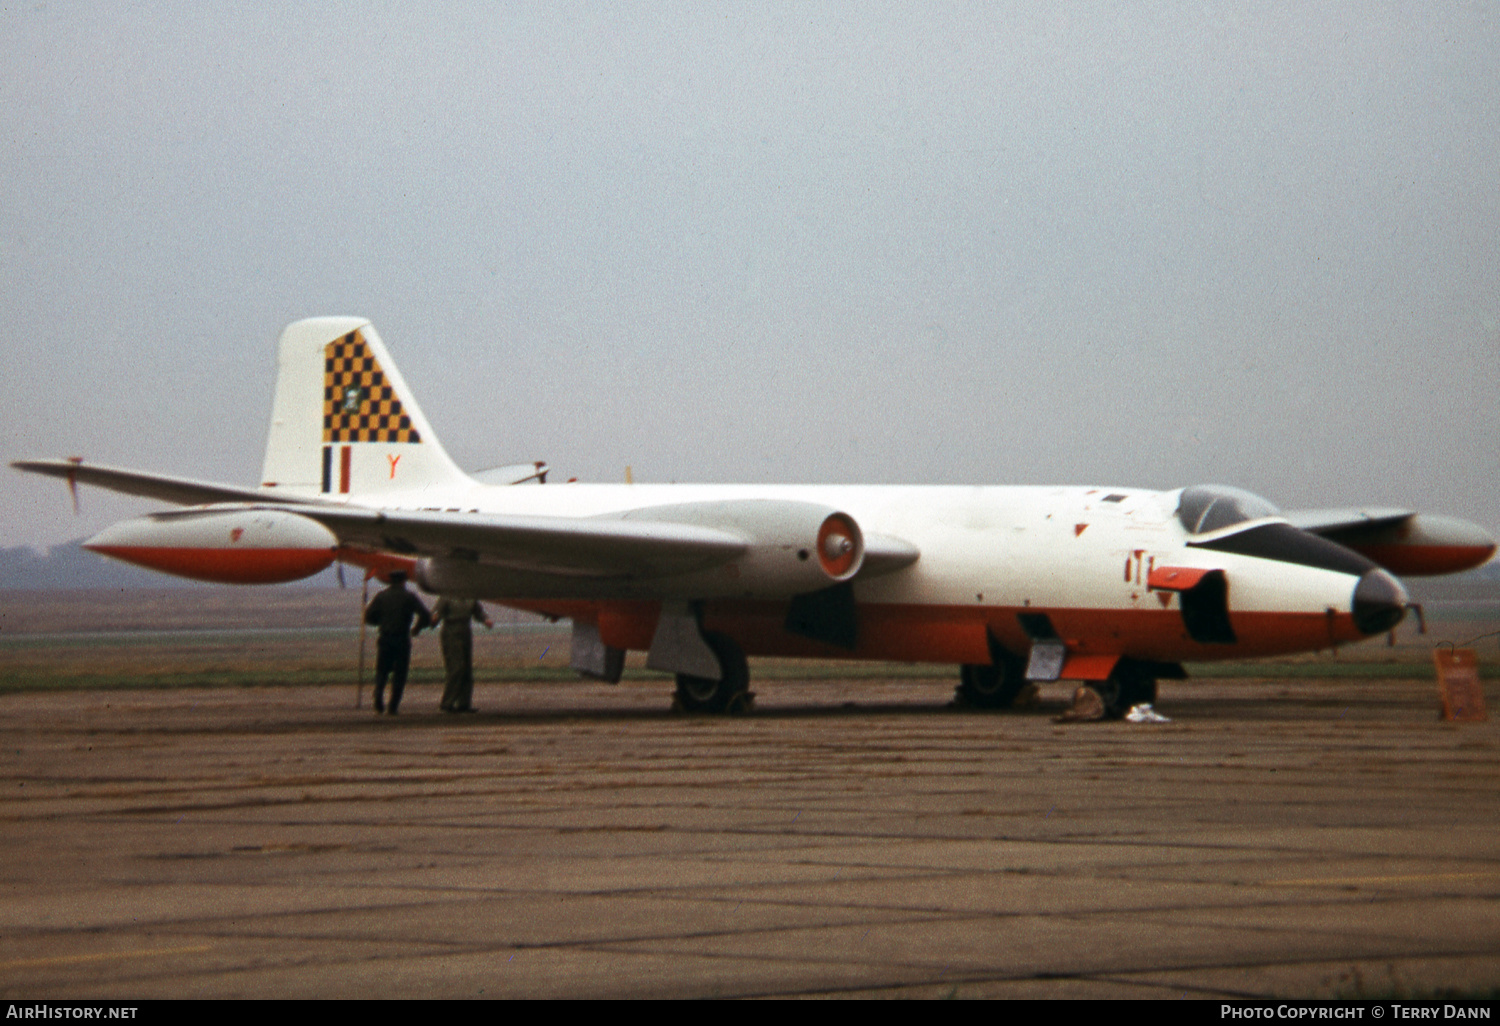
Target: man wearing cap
(392,611)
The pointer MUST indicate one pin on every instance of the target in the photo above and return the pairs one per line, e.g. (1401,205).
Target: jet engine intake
(791,547)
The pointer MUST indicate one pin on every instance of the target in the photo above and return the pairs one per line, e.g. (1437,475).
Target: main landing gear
(997,686)
(1128,686)
(993,686)
(729,693)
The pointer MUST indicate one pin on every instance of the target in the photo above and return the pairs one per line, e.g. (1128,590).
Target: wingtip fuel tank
(237,545)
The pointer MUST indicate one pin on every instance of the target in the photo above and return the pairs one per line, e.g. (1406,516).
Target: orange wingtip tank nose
(225,546)
(1427,545)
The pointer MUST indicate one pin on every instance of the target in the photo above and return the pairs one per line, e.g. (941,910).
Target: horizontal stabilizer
(514,474)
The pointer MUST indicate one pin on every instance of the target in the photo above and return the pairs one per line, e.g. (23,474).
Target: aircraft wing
(1329,521)
(650,542)
(642,543)
(1402,540)
(180,490)
(571,546)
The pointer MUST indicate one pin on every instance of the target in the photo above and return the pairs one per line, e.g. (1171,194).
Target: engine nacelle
(793,547)
(790,548)
(223,544)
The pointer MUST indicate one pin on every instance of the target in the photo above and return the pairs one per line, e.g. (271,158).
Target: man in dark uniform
(455,614)
(392,611)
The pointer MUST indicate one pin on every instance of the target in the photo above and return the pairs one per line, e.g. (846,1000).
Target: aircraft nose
(1379,602)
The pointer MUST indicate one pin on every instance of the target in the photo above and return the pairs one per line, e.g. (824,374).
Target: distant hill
(69,565)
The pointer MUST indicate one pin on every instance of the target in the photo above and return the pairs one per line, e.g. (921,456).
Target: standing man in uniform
(455,615)
(392,611)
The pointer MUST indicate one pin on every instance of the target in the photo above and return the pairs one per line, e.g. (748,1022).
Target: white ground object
(1143,713)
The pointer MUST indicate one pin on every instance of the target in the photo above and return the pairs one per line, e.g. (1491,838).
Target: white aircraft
(1112,586)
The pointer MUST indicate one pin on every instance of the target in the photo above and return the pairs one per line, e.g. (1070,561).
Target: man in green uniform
(392,611)
(455,615)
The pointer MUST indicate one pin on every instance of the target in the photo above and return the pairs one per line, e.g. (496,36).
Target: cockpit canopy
(1205,508)
(1211,509)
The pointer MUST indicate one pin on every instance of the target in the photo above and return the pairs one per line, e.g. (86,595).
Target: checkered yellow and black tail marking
(359,404)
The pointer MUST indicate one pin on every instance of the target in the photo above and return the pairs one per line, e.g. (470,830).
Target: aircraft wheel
(991,687)
(1126,687)
(729,693)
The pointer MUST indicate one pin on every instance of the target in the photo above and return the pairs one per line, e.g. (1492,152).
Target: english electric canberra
(1112,586)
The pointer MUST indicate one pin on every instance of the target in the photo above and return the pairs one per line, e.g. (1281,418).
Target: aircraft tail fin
(343,421)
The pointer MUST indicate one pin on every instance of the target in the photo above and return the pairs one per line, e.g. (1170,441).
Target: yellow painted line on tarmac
(1353,881)
(31,963)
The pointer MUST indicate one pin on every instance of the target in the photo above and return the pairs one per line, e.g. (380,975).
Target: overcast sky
(1134,244)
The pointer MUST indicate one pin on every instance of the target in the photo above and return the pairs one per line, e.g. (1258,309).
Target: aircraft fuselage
(993,560)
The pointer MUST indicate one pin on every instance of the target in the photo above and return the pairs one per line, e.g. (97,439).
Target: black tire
(1139,689)
(1127,687)
(730,693)
(991,687)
